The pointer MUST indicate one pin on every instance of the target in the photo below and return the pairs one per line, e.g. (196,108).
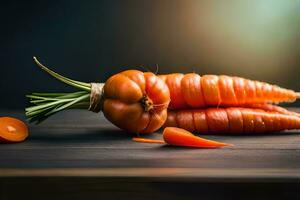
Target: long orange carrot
(180,137)
(272,108)
(12,130)
(193,91)
(231,120)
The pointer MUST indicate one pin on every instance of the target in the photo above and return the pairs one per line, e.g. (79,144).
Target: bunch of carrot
(223,104)
(144,102)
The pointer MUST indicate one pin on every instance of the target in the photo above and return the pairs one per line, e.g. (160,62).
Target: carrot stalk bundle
(139,102)
(232,120)
(132,100)
(195,91)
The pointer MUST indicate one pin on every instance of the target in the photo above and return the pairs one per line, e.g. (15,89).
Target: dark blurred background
(91,40)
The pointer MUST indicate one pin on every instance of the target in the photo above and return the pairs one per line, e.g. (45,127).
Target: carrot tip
(220,145)
(228,145)
(145,140)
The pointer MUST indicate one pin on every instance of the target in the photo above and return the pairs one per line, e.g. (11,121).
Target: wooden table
(80,154)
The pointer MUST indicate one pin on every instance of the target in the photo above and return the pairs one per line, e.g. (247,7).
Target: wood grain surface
(85,145)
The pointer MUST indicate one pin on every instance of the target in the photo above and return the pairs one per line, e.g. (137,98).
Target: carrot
(138,102)
(12,130)
(145,140)
(272,108)
(180,137)
(193,91)
(132,100)
(231,120)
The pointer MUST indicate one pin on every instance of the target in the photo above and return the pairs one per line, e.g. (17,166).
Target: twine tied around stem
(96,97)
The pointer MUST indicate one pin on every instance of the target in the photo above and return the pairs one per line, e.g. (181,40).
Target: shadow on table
(80,135)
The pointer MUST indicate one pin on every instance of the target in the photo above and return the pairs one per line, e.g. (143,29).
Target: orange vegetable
(180,137)
(132,100)
(12,130)
(231,120)
(272,108)
(193,91)
(136,101)
(145,140)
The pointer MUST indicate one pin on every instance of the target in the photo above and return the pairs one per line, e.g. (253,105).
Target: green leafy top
(47,104)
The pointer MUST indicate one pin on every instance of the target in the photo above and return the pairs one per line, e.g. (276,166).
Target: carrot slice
(181,137)
(12,130)
(145,140)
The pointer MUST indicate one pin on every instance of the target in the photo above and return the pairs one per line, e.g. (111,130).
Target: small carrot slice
(145,140)
(12,130)
(181,137)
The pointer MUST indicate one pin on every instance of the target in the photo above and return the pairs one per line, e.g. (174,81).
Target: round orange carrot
(192,91)
(12,130)
(181,137)
(132,100)
(136,101)
(232,120)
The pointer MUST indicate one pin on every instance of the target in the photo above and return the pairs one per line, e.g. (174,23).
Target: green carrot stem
(47,104)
